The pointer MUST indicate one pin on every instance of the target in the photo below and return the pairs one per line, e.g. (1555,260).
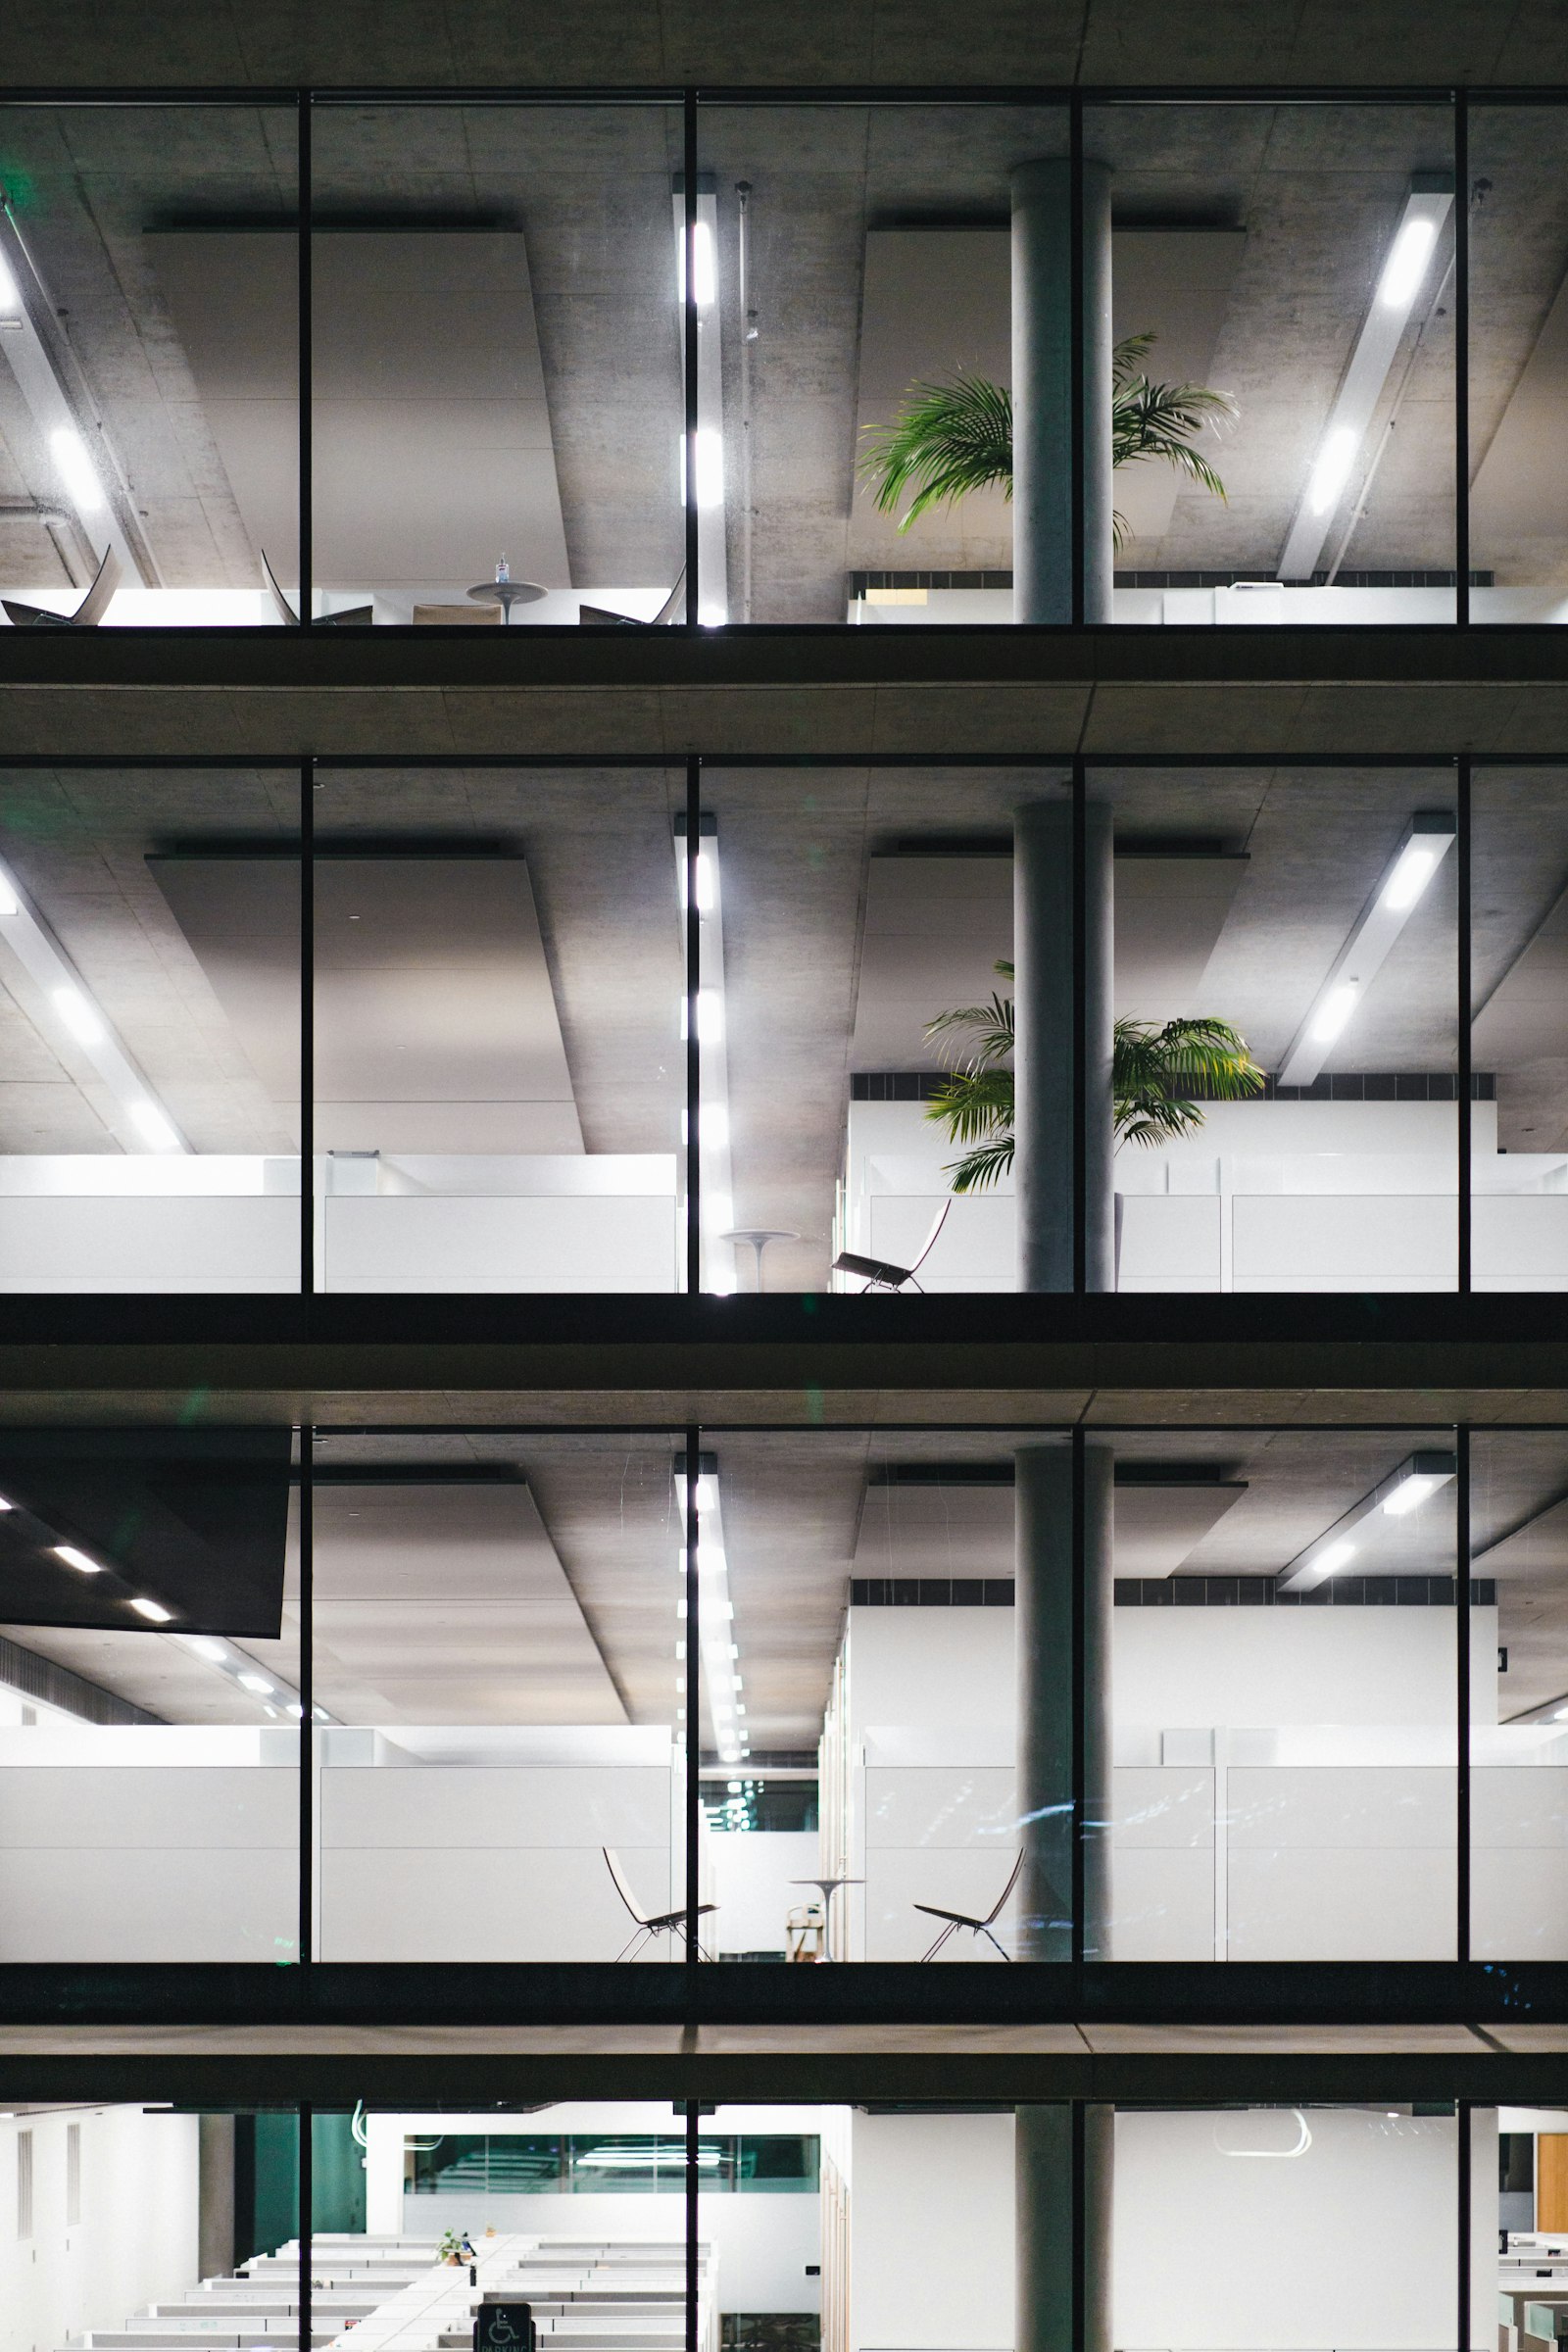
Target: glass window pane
(499,1650)
(1518,241)
(1297,259)
(497,364)
(861,253)
(149,1029)
(149,410)
(1311,913)
(1519,1042)
(149,1698)
(499,1073)
(1518,1695)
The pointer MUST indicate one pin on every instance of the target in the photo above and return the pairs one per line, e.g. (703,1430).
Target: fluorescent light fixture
(76,470)
(80,1560)
(1406,265)
(1402,1492)
(78,1015)
(717,1267)
(1559,1715)
(1421,849)
(10,904)
(205,1647)
(6,1504)
(1332,471)
(707,468)
(1428,202)
(155,1127)
(153,1610)
(1334,1011)
(257,1682)
(10,293)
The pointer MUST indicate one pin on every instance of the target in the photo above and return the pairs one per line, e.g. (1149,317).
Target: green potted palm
(1153,1068)
(955,435)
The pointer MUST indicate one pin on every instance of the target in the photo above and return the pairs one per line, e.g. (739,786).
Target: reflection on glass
(149,323)
(149,1698)
(149,1031)
(499,1644)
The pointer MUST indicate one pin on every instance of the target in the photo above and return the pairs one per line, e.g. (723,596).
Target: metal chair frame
(650,1923)
(880,1273)
(962,1919)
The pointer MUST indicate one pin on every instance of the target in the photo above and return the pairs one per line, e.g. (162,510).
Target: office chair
(962,1919)
(598,617)
(880,1274)
(360,616)
(88,613)
(649,1922)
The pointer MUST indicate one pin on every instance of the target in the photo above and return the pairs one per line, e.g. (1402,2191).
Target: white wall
(135,2244)
(1260,1667)
(1352,2243)
(931,2233)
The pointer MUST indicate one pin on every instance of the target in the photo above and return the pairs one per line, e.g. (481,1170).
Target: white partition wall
(131,2238)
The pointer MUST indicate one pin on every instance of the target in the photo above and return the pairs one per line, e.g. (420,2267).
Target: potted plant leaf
(955,435)
(1152,1068)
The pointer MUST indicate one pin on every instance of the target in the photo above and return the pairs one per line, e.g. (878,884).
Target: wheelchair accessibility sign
(504,2327)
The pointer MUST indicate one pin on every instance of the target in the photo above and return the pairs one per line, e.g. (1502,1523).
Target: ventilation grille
(23,2183)
(72,2175)
(40,1678)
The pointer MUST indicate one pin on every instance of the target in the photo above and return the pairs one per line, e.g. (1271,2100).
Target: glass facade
(1250,419)
(1241,1026)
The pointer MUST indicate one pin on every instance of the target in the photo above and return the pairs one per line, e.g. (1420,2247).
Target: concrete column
(1044,1634)
(215,2195)
(1042,392)
(1043,1064)
(1043,2193)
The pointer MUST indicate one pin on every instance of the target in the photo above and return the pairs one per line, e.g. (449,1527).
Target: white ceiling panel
(967,1531)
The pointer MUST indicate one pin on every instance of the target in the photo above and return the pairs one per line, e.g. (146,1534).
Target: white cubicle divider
(1305,1842)
(478,1843)
(195,1222)
(132,1842)
(1266,1197)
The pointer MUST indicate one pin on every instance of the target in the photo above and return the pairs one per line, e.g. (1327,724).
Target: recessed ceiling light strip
(711,550)
(143,1123)
(1405,1490)
(712,1057)
(715,1646)
(1423,846)
(1405,271)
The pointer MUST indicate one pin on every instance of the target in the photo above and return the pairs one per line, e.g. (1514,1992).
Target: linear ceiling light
(714,1644)
(145,1123)
(714,1163)
(1405,1491)
(1423,846)
(1426,206)
(61,407)
(709,461)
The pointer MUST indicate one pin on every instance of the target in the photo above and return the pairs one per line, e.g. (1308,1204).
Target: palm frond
(981,1167)
(973,1103)
(949,437)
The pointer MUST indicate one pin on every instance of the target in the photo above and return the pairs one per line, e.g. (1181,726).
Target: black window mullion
(689,346)
(694,1693)
(1461,364)
(694,1058)
(1080,1720)
(1463,989)
(1462,1631)
(1463,2266)
(303,259)
(1080,1031)
(306,951)
(1076,441)
(693,2127)
(305,2224)
(307,1689)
